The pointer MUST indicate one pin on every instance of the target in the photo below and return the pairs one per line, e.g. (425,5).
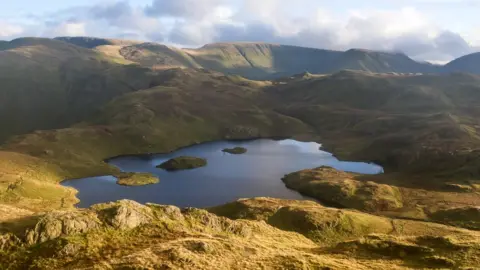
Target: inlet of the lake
(227,177)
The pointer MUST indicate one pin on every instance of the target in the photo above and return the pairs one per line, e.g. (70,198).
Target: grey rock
(62,223)
(9,241)
(166,211)
(124,214)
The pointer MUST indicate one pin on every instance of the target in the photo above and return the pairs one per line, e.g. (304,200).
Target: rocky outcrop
(183,163)
(309,218)
(466,217)
(124,214)
(166,211)
(121,215)
(9,241)
(344,190)
(62,223)
(271,233)
(136,179)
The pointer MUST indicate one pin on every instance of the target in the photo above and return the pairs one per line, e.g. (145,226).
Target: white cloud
(8,30)
(183,8)
(313,23)
(69,29)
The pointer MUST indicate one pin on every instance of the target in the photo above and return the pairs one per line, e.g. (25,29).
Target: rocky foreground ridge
(247,234)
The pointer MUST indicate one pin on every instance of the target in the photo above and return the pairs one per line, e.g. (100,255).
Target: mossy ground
(195,239)
(183,163)
(136,179)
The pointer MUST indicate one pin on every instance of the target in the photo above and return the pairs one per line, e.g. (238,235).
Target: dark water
(227,177)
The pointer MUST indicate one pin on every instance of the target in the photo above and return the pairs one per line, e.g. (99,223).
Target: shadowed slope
(469,63)
(58,83)
(399,122)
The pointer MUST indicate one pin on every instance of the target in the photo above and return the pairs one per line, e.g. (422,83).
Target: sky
(427,30)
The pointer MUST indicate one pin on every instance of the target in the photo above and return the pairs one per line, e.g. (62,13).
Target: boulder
(124,214)
(62,223)
(166,211)
(9,241)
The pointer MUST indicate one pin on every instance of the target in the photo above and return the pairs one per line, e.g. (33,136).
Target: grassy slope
(375,120)
(274,234)
(158,56)
(59,83)
(160,119)
(388,119)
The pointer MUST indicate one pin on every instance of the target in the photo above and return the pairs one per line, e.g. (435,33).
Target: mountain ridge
(261,60)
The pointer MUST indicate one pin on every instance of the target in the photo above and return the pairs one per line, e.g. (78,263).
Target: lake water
(227,177)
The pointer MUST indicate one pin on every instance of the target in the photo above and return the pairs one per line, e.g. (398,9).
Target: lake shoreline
(226,178)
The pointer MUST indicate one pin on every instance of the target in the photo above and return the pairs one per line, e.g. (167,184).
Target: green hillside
(393,120)
(50,84)
(158,56)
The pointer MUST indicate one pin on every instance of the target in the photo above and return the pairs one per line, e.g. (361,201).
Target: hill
(51,84)
(380,62)
(468,63)
(399,118)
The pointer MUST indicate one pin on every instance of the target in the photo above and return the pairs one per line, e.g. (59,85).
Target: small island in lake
(136,179)
(183,163)
(235,151)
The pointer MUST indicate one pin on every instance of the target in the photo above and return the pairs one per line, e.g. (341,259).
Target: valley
(68,118)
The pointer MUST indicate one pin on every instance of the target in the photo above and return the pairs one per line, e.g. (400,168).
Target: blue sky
(431,30)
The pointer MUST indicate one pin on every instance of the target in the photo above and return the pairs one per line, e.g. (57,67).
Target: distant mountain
(92,42)
(469,63)
(260,60)
(381,62)
(61,81)
(265,61)
(3,44)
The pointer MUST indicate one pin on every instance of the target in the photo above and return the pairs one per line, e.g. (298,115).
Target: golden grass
(196,239)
